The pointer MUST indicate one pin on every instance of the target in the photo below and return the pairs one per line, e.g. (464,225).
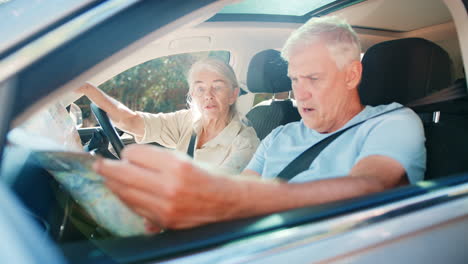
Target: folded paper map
(55,145)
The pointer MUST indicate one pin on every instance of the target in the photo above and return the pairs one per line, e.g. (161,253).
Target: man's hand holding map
(56,146)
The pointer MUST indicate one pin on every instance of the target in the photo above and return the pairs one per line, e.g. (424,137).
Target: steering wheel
(108,128)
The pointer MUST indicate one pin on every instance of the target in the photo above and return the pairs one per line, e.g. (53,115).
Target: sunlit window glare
(275,7)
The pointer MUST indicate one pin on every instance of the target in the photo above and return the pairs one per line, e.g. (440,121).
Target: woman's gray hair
(338,36)
(216,66)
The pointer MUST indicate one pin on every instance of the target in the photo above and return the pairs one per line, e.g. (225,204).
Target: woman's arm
(122,116)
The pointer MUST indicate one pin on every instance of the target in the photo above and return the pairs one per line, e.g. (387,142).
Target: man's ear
(353,74)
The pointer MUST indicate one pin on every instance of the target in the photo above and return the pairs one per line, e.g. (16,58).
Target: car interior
(405,70)
(268,74)
(406,58)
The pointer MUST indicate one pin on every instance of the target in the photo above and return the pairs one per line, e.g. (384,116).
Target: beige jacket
(230,150)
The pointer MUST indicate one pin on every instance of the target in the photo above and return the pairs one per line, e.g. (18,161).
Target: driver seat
(404,70)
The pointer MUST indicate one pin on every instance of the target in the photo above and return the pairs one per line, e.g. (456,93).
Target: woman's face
(212,94)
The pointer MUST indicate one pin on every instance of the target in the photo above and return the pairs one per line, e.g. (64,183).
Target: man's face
(319,87)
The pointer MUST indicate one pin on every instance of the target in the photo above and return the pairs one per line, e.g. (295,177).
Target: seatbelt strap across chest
(305,159)
(191,147)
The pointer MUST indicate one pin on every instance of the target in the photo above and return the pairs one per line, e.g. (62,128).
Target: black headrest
(403,70)
(268,73)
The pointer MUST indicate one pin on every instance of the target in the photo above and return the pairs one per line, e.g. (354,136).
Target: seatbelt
(191,147)
(455,91)
(305,159)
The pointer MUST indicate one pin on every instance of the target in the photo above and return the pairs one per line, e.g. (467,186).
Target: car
(412,50)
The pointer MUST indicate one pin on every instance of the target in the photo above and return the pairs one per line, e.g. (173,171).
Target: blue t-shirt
(398,135)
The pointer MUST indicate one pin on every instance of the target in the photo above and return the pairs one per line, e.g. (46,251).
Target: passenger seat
(267,73)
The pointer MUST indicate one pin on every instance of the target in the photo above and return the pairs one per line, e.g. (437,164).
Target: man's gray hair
(216,66)
(338,36)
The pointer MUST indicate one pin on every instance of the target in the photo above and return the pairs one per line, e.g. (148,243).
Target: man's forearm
(372,174)
(263,197)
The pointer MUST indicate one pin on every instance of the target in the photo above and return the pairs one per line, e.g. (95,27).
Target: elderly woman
(220,138)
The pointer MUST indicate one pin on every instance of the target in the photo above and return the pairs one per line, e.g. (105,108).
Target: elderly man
(384,151)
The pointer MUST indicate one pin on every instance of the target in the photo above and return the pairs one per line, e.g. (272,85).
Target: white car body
(429,227)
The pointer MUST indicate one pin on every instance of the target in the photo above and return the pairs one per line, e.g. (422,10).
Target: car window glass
(22,18)
(260,97)
(157,85)
(274,7)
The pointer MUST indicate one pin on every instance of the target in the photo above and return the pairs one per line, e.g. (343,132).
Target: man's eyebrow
(304,75)
(312,74)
